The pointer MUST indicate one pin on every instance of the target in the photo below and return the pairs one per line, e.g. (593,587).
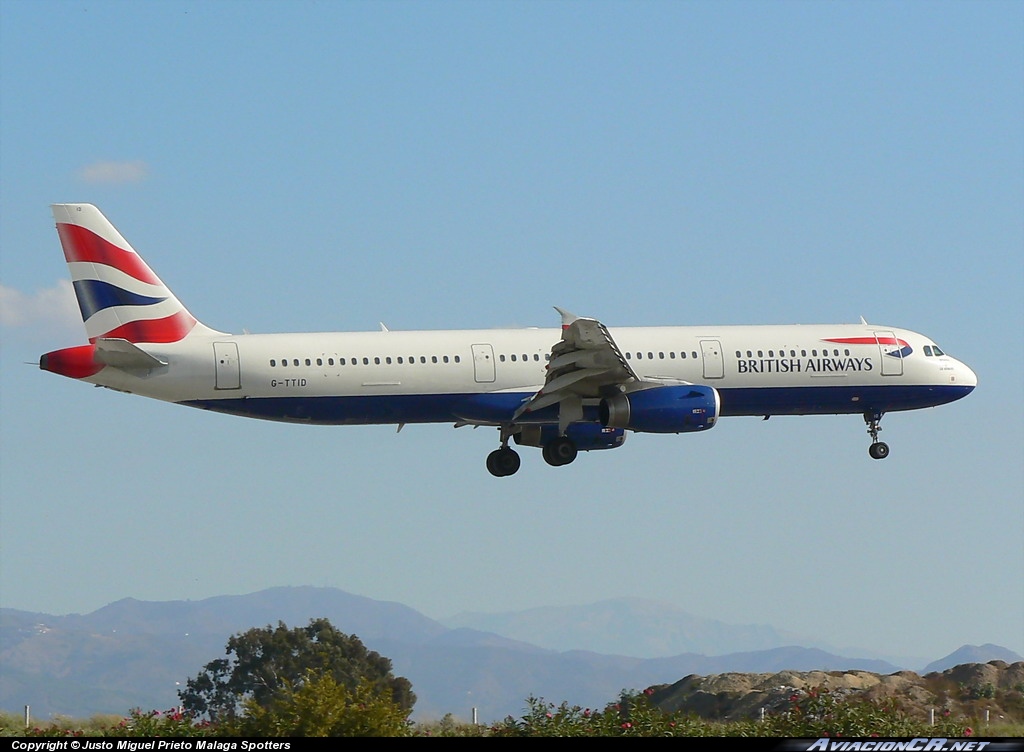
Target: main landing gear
(560,451)
(878,450)
(505,460)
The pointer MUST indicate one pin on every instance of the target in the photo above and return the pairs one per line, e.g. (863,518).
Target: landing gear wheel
(502,462)
(560,451)
(879,450)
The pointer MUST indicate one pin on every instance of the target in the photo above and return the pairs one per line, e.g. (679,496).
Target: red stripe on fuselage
(867,341)
(81,244)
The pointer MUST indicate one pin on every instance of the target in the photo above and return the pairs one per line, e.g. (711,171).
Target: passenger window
(319,361)
(433,358)
(273,363)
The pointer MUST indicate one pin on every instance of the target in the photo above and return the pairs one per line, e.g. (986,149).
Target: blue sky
(330,165)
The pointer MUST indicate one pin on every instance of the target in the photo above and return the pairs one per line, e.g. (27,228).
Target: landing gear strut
(504,460)
(878,450)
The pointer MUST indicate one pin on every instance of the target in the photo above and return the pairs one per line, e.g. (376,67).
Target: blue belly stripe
(499,407)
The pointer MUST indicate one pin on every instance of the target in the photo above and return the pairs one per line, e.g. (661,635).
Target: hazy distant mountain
(295,606)
(137,654)
(629,626)
(973,654)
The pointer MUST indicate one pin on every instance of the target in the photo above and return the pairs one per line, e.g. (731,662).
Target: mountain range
(134,653)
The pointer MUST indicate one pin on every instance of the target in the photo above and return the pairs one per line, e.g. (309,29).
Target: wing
(585,364)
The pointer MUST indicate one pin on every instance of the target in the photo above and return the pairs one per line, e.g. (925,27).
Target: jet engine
(662,409)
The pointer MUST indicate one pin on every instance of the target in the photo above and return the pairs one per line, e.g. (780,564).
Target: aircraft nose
(965,376)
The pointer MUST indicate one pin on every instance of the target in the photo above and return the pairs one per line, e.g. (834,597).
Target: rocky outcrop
(968,689)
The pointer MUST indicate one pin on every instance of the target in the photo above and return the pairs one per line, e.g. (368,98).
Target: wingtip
(567,318)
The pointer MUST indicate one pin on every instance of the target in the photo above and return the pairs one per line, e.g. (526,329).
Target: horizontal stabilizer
(120,353)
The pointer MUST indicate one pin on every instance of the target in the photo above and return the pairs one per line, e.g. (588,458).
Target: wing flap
(585,364)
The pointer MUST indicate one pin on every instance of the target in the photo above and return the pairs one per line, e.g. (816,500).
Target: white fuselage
(446,376)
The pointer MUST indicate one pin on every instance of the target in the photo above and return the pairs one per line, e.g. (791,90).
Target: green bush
(633,715)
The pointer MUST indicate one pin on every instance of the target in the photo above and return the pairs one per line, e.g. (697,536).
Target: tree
(322,707)
(263,662)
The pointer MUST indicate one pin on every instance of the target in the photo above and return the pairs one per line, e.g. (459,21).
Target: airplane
(580,388)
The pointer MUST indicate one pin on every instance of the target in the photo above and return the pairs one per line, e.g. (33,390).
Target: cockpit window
(931,350)
(936,350)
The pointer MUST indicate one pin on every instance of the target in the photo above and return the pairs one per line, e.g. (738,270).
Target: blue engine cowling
(663,409)
(586,436)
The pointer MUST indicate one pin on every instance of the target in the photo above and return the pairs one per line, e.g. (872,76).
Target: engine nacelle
(663,409)
(586,436)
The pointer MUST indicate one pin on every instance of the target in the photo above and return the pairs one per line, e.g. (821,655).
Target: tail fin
(119,295)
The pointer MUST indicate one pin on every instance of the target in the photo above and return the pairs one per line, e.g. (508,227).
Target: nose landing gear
(878,450)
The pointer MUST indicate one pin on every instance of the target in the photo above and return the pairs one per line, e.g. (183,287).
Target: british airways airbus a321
(578,389)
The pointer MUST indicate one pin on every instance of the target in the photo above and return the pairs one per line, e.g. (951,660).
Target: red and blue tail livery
(579,387)
(119,295)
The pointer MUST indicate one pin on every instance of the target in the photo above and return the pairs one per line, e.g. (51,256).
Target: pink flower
(627,725)
(968,731)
